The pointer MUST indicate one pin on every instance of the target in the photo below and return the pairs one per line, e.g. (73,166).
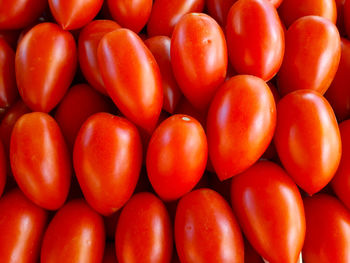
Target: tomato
(50,67)
(22,225)
(75,234)
(312,55)
(107,161)
(250,255)
(109,253)
(3,168)
(218,9)
(16,14)
(255,38)
(176,156)
(206,229)
(89,38)
(39,160)
(132,14)
(144,231)
(270,211)
(74,14)
(307,139)
(166,14)
(185,107)
(125,74)
(240,124)
(160,48)
(198,57)
(340,16)
(327,230)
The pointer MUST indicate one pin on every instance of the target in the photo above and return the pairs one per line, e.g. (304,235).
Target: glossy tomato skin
(144,231)
(176,156)
(327,230)
(255,38)
(3,168)
(160,48)
(50,67)
(312,55)
(270,211)
(198,57)
(75,234)
(235,139)
(206,229)
(107,161)
(166,14)
(125,74)
(307,139)
(22,226)
(39,160)
(89,38)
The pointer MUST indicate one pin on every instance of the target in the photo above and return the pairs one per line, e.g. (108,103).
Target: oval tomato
(50,67)
(3,168)
(40,161)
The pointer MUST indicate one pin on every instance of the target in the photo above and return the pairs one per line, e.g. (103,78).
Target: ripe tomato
(144,231)
(270,211)
(125,74)
(327,230)
(176,156)
(3,168)
(185,107)
(198,57)
(255,38)
(312,55)
(22,226)
(240,124)
(40,161)
(307,139)
(75,234)
(218,9)
(206,229)
(107,161)
(89,38)
(50,67)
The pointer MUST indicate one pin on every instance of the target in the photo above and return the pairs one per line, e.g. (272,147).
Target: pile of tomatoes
(175,131)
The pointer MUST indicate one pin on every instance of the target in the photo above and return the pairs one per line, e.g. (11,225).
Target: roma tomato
(240,124)
(160,48)
(144,231)
(312,55)
(75,234)
(3,168)
(327,230)
(176,156)
(50,67)
(270,211)
(218,9)
(40,161)
(307,139)
(126,66)
(107,161)
(89,38)
(255,38)
(198,57)
(22,226)
(206,229)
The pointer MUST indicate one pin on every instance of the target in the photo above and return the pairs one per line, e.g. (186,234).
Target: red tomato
(270,211)
(312,55)
(176,156)
(255,38)
(132,14)
(75,234)
(144,231)
(250,255)
(166,14)
(307,139)
(50,67)
(109,253)
(107,161)
(89,38)
(74,14)
(198,57)
(160,48)
(3,168)
(22,225)
(218,9)
(206,229)
(131,77)
(185,107)
(240,124)
(40,161)
(327,230)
